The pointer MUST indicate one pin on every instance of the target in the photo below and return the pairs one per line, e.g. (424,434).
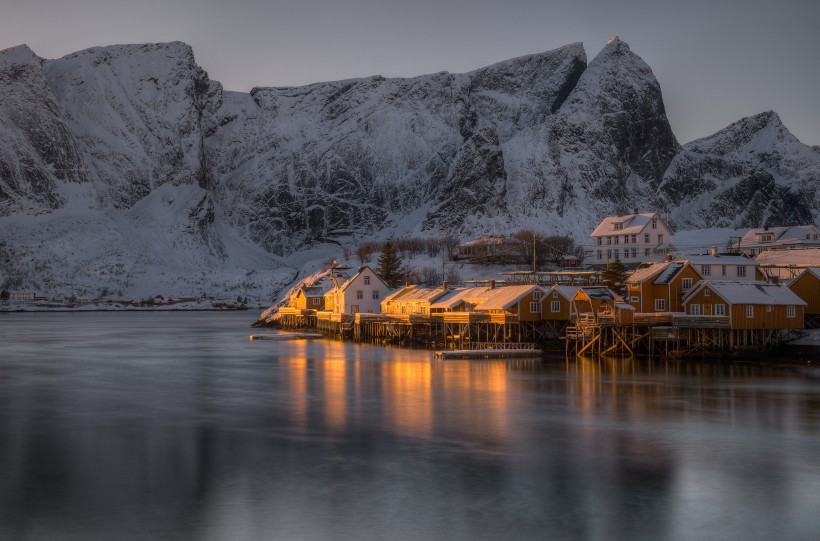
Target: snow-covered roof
(350,280)
(568,292)
(598,293)
(749,292)
(721,260)
(414,293)
(496,239)
(502,298)
(646,271)
(316,290)
(457,296)
(632,224)
(780,235)
(804,257)
(672,269)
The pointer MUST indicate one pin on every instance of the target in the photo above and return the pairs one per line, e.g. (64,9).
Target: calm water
(176,426)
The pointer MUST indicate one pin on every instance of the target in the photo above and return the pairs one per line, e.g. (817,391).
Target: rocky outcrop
(751,174)
(37,146)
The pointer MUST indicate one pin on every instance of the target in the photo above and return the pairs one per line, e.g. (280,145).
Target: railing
(700,322)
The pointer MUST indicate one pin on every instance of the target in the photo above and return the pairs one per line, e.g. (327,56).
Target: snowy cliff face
(140,113)
(126,166)
(37,147)
(330,160)
(751,174)
(606,147)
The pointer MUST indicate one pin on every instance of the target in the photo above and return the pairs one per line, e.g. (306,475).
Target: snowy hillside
(125,169)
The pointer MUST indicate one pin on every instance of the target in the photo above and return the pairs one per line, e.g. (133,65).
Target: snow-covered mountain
(125,168)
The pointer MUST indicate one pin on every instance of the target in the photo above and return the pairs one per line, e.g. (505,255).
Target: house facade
(630,238)
(736,268)
(748,305)
(517,303)
(660,287)
(807,287)
(557,304)
(362,293)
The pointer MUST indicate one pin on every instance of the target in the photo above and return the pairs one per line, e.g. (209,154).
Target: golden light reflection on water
(416,393)
(408,397)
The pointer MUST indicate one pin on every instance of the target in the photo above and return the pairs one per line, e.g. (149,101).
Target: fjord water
(176,426)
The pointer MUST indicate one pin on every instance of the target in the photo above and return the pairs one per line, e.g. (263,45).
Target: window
(619,226)
(609,240)
(766,238)
(359,294)
(634,239)
(654,223)
(694,309)
(646,238)
(720,309)
(706,292)
(750,310)
(317,301)
(367,280)
(616,239)
(600,241)
(535,307)
(634,252)
(635,299)
(536,295)
(375,294)
(687,283)
(660,239)
(608,255)
(554,294)
(600,254)
(741,270)
(723,270)
(660,305)
(555,306)
(790,311)
(617,253)
(768,308)
(706,270)
(646,252)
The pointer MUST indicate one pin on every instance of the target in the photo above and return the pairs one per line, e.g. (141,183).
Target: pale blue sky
(716,61)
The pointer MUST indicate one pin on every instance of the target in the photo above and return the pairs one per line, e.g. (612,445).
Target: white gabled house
(630,238)
(361,293)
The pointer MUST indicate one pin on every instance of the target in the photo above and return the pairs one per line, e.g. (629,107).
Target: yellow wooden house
(412,300)
(660,287)
(807,286)
(557,304)
(748,305)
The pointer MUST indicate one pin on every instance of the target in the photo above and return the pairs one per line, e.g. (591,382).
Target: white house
(759,240)
(362,293)
(630,238)
(21,296)
(726,267)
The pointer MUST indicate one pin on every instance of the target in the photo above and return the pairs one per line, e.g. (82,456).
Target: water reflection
(179,428)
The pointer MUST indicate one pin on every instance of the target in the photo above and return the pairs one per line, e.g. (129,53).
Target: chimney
(669,257)
(619,213)
(492,284)
(714,251)
(635,211)
(444,284)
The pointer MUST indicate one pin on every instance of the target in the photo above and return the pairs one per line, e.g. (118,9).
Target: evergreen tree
(614,276)
(390,265)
